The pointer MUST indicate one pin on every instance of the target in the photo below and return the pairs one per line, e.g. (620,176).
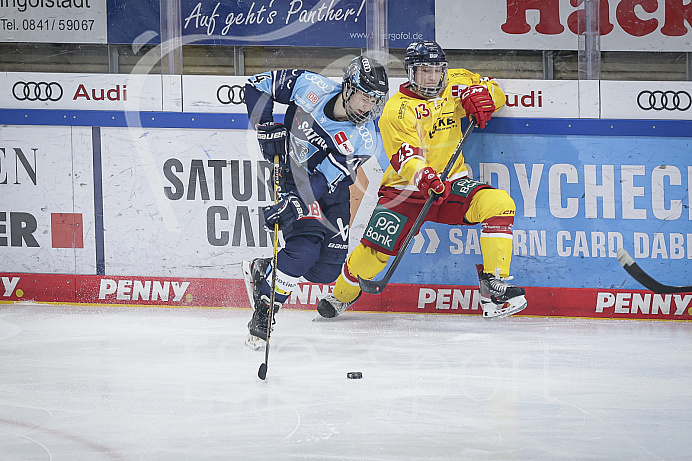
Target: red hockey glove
(476,101)
(427,180)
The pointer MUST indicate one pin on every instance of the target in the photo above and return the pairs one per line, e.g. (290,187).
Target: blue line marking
(239,121)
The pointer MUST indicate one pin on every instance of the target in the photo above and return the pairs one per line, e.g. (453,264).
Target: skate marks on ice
(8,330)
(152,383)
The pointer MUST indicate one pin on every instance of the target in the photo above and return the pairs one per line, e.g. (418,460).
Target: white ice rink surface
(99,383)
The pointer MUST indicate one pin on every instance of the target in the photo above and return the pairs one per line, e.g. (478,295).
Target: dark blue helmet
(370,78)
(426,53)
(367,75)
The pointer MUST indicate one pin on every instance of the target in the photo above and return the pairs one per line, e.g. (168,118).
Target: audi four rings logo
(668,100)
(37,91)
(231,94)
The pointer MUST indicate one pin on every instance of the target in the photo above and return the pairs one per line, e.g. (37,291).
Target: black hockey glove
(289,209)
(273,140)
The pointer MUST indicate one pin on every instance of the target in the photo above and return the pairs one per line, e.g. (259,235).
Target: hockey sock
(497,252)
(285,284)
(496,244)
(294,260)
(494,209)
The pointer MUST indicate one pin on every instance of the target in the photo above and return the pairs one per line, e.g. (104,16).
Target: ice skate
(260,317)
(330,307)
(498,298)
(254,273)
(254,343)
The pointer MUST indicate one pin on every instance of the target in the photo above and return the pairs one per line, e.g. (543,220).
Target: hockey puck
(354,375)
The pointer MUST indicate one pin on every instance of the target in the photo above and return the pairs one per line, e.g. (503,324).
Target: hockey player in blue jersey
(328,132)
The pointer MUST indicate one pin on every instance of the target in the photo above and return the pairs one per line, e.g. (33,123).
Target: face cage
(354,116)
(427,91)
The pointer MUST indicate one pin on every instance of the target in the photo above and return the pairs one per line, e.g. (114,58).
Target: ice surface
(99,383)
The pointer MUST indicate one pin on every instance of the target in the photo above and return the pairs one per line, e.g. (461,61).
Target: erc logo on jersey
(314,211)
(463,187)
(457,90)
(384,227)
(343,143)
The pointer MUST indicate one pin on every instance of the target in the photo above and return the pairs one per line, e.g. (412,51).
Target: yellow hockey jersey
(417,132)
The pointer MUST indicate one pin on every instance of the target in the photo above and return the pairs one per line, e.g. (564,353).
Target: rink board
(397,297)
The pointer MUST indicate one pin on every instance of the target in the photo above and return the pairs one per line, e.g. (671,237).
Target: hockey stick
(375,287)
(262,372)
(645,279)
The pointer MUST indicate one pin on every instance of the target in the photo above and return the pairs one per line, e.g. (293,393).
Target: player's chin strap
(375,287)
(262,372)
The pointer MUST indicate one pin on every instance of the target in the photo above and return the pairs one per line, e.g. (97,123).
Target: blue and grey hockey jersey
(329,151)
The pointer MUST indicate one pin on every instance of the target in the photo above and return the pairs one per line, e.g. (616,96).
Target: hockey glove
(273,140)
(476,101)
(289,209)
(427,181)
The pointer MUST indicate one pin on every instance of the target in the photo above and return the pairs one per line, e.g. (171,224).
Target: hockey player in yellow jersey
(420,127)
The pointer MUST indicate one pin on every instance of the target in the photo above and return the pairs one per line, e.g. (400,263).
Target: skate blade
(247,276)
(511,307)
(254,342)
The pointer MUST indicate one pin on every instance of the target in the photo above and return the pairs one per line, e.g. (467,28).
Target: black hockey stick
(375,287)
(262,372)
(645,279)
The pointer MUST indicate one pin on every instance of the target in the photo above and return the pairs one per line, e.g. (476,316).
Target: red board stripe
(404,298)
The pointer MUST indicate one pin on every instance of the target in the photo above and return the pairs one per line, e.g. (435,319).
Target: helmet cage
(423,90)
(354,115)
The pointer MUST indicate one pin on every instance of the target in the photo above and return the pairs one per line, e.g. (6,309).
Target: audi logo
(37,91)
(664,100)
(231,94)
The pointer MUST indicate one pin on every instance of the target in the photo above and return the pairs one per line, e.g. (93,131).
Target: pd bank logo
(464,186)
(384,227)
(143,290)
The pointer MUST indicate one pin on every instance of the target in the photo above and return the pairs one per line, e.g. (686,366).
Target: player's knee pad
(488,203)
(499,201)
